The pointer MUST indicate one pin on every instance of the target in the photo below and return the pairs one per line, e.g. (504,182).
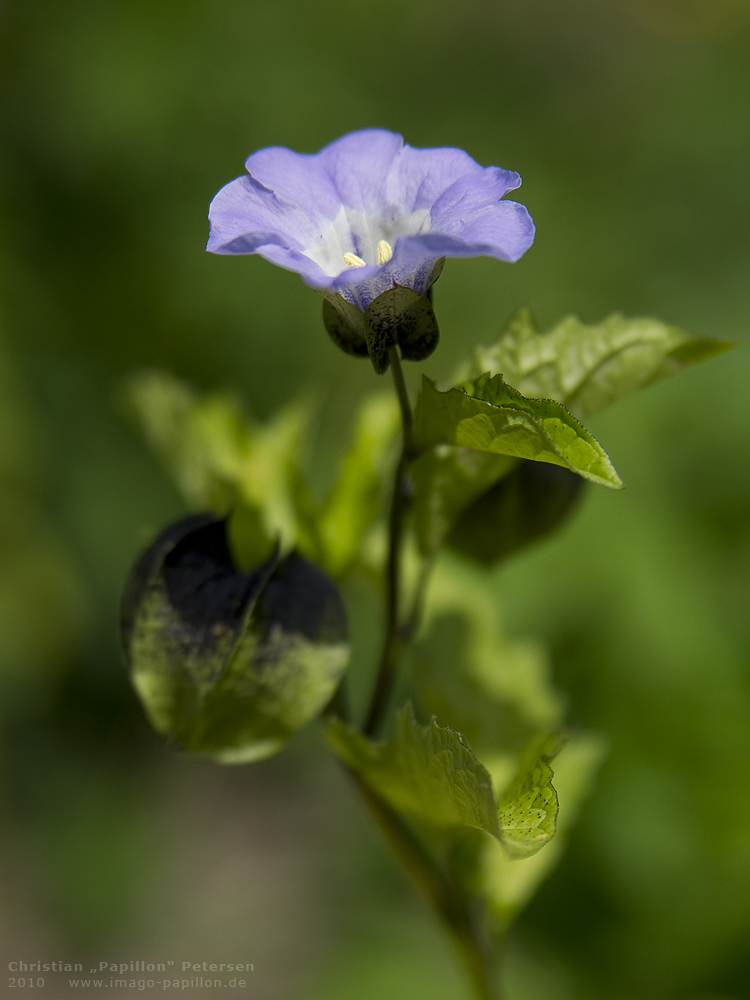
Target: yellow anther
(352,260)
(385,252)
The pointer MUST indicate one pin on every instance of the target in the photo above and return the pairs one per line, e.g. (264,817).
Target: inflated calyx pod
(230,664)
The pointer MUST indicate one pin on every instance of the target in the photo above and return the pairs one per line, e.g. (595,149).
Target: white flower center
(355,239)
(385,252)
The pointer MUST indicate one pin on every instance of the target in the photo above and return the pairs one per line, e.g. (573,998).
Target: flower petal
(308,212)
(297,178)
(358,165)
(245,215)
(471,194)
(420,176)
(293,260)
(473,219)
(504,230)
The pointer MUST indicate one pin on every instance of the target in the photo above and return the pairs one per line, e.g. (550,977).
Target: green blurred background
(629,122)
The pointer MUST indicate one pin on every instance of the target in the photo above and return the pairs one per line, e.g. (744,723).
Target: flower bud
(230,664)
(399,315)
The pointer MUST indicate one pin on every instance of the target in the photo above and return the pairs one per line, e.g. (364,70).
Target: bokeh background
(630,124)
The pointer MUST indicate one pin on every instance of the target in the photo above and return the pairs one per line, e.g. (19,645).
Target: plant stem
(400,500)
(414,617)
(450,905)
(407,421)
(448,900)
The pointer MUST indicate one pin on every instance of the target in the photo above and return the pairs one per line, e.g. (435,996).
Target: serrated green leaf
(509,884)
(426,772)
(528,807)
(587,367)
(583,367)
(491,416)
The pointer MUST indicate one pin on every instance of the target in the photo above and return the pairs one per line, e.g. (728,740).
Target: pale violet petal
(297,178)
(504,230)
(470,195)
(419,176)
(358,165)
(308,212)
(310,272)
(244,215)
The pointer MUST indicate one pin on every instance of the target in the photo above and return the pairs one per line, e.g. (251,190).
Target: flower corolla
(368,213)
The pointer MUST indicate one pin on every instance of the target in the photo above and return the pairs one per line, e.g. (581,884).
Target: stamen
(385,252)
(352,260)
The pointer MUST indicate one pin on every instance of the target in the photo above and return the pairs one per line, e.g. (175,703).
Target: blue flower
(368,213)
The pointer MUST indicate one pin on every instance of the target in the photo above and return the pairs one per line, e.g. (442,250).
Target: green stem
(411,624)
(443,894)
(450,905)
(395,637)
(407,420)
